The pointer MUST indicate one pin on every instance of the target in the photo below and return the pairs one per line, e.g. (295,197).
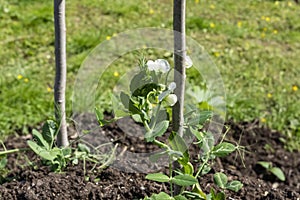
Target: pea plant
(43,144)
(150,102)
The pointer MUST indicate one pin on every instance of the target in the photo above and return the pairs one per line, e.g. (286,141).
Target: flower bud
(171,99)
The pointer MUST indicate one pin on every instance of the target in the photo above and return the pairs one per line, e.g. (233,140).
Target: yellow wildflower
(26,80)
(262,35)
(212,6)
(197,1)
(216,54)
(239,24)
(212,25)
(276,3)
(275,32)
(108,37)
(151,11)
(49,89)
(268,19)
(269,95)
(290,4)
(116,74)
(294,88)
(19,76)
(263,120)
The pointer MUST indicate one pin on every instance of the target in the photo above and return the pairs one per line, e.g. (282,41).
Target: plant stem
(161,144)
(171,175)
(13,151)
(203,164)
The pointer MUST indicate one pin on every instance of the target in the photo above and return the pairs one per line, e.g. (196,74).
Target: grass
(255,44)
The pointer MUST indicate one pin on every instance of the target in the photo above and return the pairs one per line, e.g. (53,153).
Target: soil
(125,178)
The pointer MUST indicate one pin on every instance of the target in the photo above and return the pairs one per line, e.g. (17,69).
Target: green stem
(146,125)
(203,164)
(13,151)
(161,144)
(170,175)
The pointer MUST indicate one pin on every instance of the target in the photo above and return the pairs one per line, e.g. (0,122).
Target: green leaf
(84,148)
(42,152)
(204,116)
(180,197)
(158,130)
(208,142)
(160,196)
(178,144)
(138,81)
(125,99)
(184,180)
(49,131)
(194,195)
(145,90)
(40,139)
(159,177)
(100,118)
(217,196)
(220,179)
(199,135)
(223,149)
(278,173)
(67,151)
(188,168)
(264,164)
(3,162)
(234,186)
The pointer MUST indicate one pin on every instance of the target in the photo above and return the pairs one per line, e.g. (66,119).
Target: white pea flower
(172,86)
(171,99)
(152,66)
(159,65)
(188,62)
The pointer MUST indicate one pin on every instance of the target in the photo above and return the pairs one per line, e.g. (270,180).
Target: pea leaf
(220,179)
(160,196)
(178,144)
(49,131)
(184,180)
(208,142)
(180,197)
(234,186)
(278,173)
(159,177)
(264,164)
(42,152)
(188,168)
(223,149)
(40,139)
(158,130)
(3,162)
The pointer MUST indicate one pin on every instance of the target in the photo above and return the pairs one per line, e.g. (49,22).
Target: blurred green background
(254,43)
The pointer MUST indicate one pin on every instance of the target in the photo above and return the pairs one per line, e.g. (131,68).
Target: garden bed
(38,182)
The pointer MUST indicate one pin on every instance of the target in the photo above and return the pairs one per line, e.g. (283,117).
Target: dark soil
(125,178)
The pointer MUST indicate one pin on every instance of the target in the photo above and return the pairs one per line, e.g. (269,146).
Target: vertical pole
(179,58)
(61,71)
(179,72)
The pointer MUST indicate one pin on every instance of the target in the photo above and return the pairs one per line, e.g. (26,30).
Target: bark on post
(61,71)
(179,72)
